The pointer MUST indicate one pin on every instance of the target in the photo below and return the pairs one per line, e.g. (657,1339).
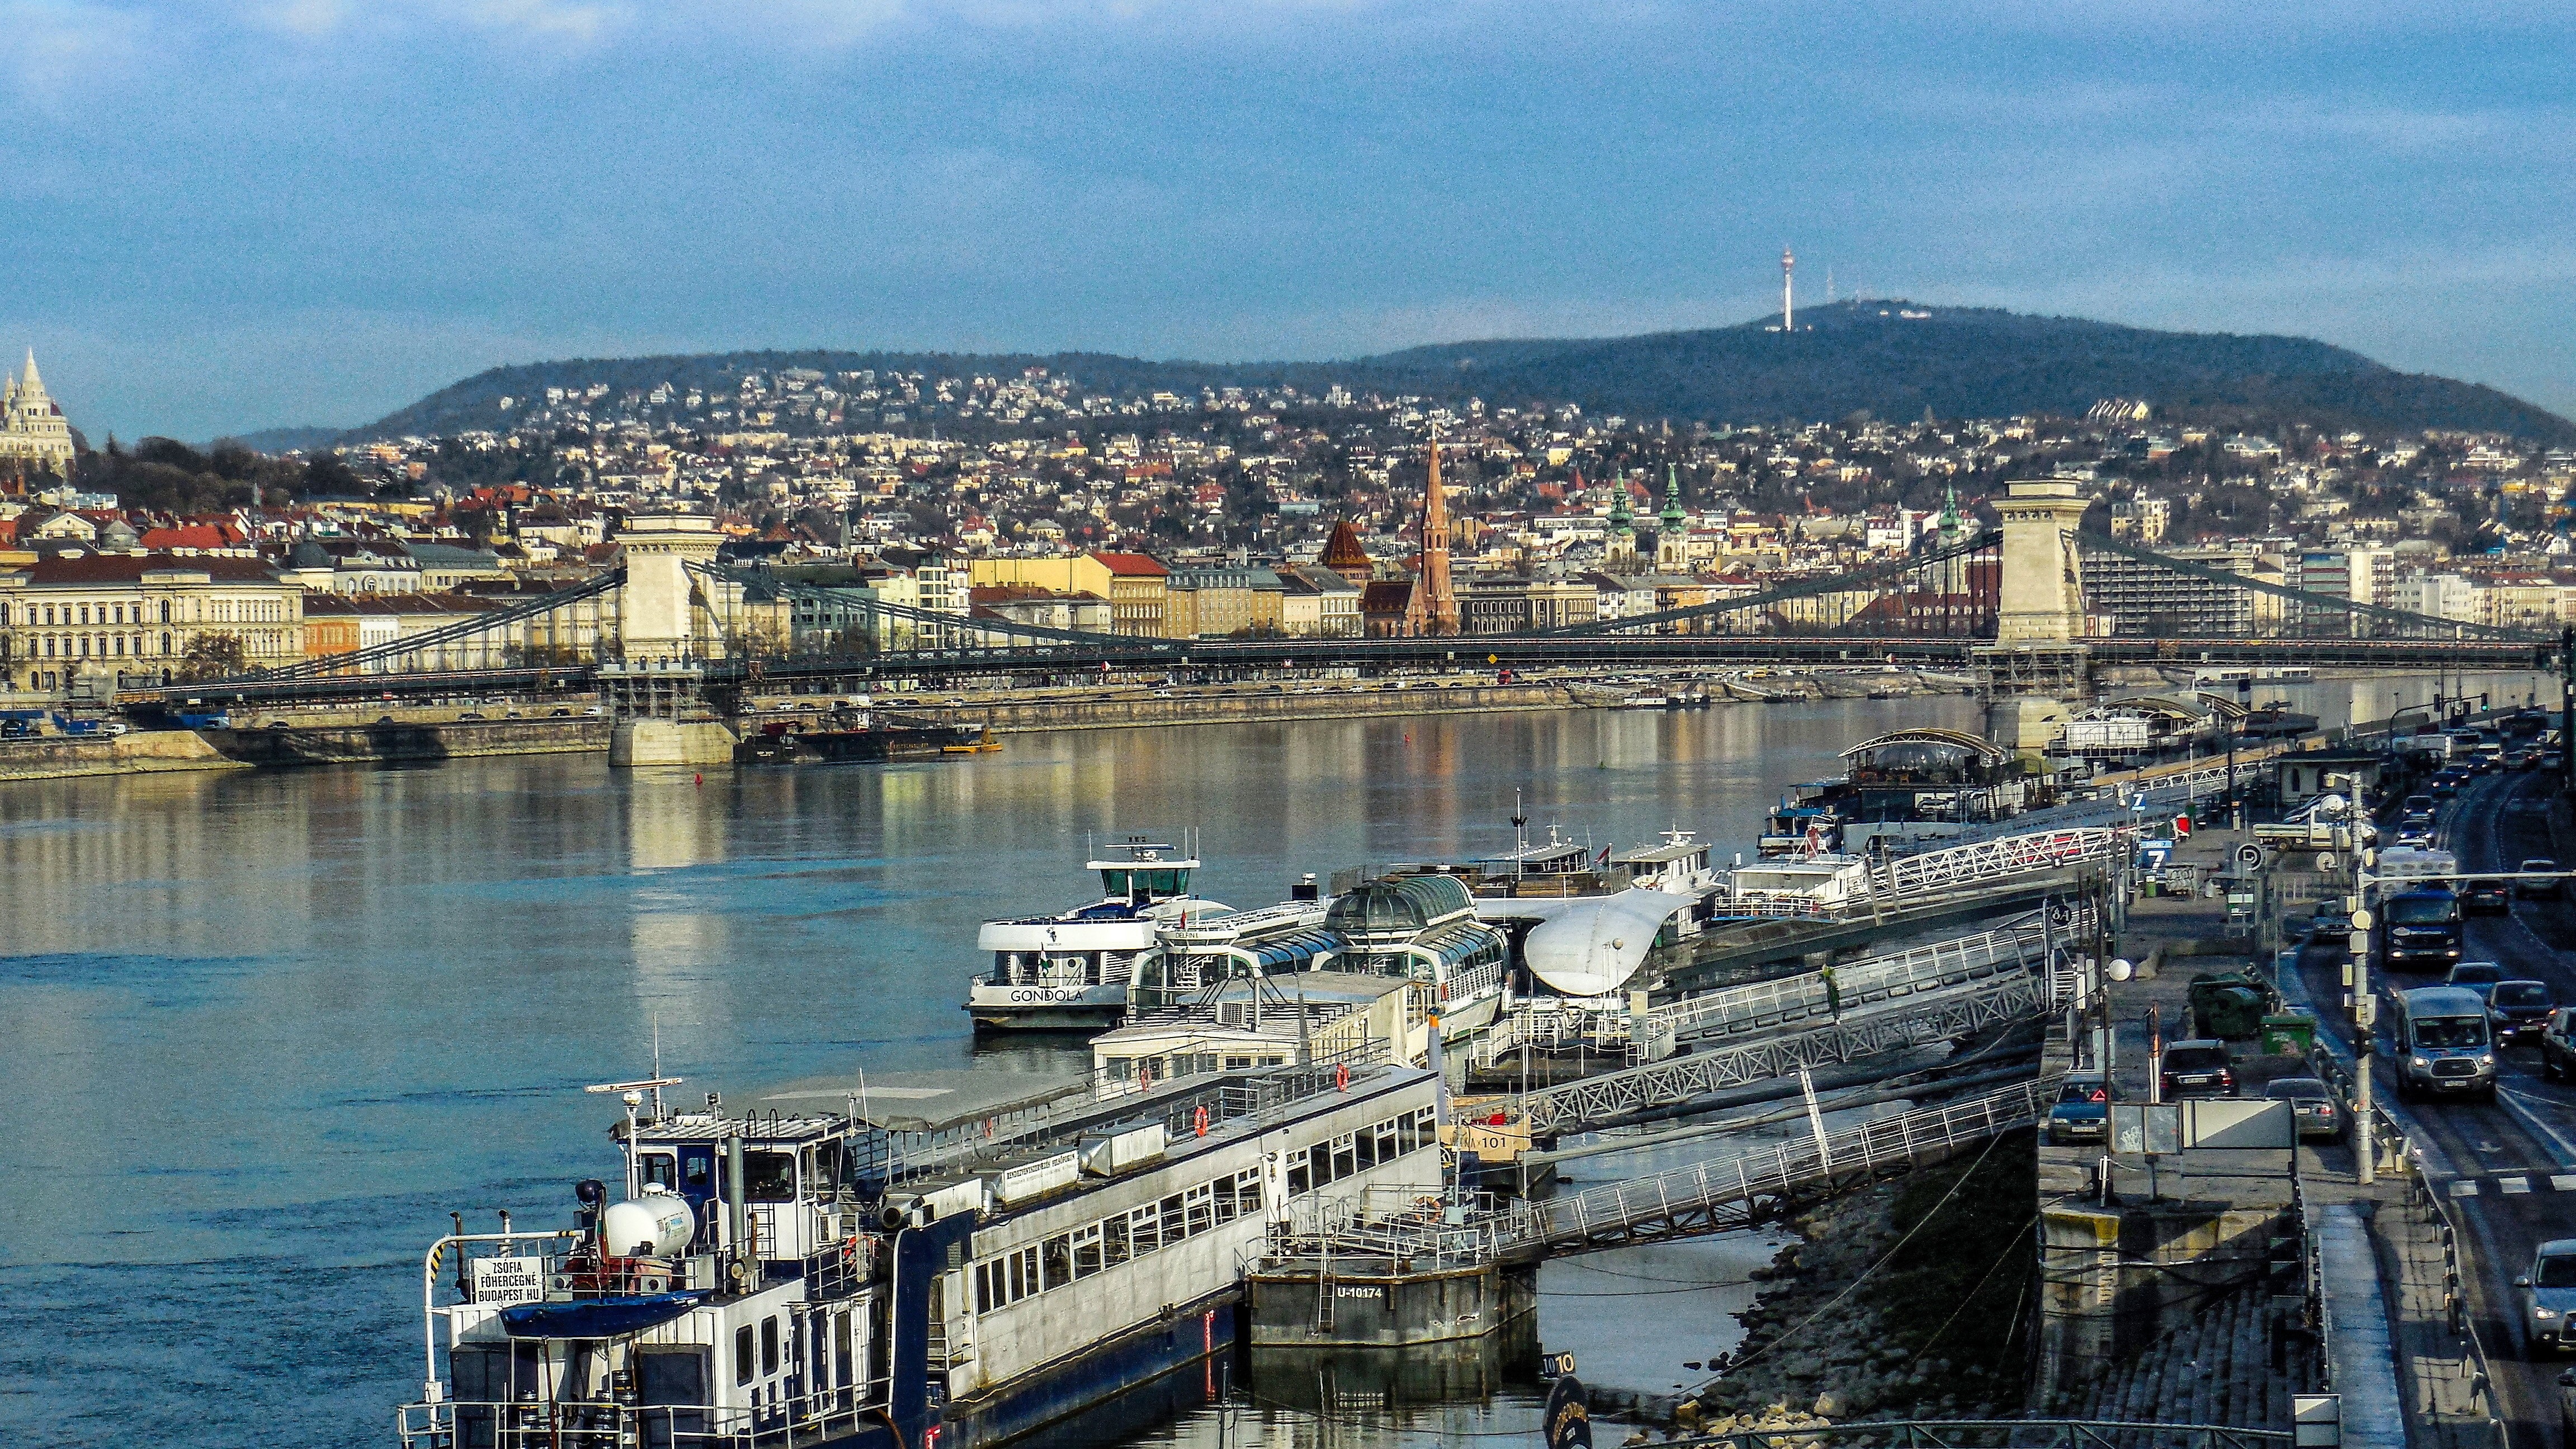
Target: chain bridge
(2026,606)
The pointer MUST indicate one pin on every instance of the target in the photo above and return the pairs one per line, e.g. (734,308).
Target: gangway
(1899,1025)
(1993,862)
(1752,1187)
(1937,966)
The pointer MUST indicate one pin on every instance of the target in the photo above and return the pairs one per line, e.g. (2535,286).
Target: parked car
(2486,897)
(2478,976)
(2539,890)
(2312,1103)
(2548,1294)
(2519,1010)
(468,715)
(2558,1045)
(2083,1109)
(2198,1068)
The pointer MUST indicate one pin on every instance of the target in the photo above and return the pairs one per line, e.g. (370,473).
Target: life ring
(1198,1119)
(1342,1076)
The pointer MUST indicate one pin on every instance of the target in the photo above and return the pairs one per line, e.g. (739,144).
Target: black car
(2198,1069)
(2558,1045)
(2489,897)
(2519,1009)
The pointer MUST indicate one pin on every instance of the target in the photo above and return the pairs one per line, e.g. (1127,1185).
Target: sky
(221,217)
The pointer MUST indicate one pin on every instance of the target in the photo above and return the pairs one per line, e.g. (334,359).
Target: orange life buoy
(1342,1076)
(1198,1119)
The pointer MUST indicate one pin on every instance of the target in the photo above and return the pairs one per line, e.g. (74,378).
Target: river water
(263,1031)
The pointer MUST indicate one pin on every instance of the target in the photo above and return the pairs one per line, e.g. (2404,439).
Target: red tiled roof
(1132,565)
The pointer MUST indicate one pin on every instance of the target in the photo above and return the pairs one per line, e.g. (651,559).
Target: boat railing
(1394,1228)
(1217,1100)
(789,1421)
(1788,905)
(1232,926)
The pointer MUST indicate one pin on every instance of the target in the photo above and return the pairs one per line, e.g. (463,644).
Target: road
(2508,1166)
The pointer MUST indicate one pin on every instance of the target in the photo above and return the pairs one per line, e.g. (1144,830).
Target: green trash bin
(2290,1033)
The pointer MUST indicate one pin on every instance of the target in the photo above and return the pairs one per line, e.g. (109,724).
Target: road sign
(2249,855)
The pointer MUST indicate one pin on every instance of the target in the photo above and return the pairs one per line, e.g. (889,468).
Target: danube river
(264,1031)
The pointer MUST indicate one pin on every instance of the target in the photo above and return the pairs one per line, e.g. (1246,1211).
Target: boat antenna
(657,1066)
(1520,836)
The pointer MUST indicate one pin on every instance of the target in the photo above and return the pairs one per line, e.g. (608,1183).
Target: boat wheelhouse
(1077,969)
(897,1260)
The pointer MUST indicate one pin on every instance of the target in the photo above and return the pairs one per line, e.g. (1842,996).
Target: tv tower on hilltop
(1788,306)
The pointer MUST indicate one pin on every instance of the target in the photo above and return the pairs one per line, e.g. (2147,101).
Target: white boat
(1076,970)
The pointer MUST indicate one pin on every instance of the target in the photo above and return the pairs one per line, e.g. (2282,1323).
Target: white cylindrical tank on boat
(655,1225)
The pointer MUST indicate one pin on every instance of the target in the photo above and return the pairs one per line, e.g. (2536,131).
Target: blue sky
(218,217)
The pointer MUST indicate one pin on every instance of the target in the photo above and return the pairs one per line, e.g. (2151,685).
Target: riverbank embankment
(385,741)
(1907,1300)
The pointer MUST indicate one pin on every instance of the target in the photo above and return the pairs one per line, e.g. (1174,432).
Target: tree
(214,655)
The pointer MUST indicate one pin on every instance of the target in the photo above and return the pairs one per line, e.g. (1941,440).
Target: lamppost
(2365,1009)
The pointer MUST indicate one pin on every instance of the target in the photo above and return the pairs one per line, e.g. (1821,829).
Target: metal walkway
(1897,1025)
(1752,1187)
(1872,981)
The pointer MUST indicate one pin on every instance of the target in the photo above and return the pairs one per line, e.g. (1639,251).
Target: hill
(1892,359)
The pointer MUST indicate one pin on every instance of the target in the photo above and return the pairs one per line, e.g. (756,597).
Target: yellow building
(134,617)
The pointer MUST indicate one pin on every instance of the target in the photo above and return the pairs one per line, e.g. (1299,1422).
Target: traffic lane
(2497,827)
(2501,1181)
(2515,1142)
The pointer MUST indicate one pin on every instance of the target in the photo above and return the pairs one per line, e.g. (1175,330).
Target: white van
(2442,1043)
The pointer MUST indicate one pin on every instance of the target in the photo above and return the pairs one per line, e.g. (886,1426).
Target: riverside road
(2507,1167)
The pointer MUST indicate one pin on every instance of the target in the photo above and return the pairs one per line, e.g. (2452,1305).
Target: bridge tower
(656,620)
(2039,633)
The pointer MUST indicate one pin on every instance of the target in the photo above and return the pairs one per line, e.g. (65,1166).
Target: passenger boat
(1075,970)
(951,1258)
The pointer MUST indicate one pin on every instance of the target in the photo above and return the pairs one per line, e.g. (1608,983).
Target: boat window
(769,1177)
(1364,1149)
(983,1287)
(1247,1192)
(1113,882)
(1200,1203)
(1145,1229)
(768,1346)
(1057,1262)
(1405,1140)
(698,1166)
(1174,1223)
(1113,1241)
(1346,1156)
(742,1354)
(823,1164)
(1086,1251)
(1301,1179)
(658,1169)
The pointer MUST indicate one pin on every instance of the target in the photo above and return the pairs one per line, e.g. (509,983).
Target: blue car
(2083,1110)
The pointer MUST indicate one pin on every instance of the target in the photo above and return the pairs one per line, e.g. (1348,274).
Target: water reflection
(273,1027)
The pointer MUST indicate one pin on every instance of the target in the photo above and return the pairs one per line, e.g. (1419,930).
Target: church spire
(1672,516)
(33,386)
